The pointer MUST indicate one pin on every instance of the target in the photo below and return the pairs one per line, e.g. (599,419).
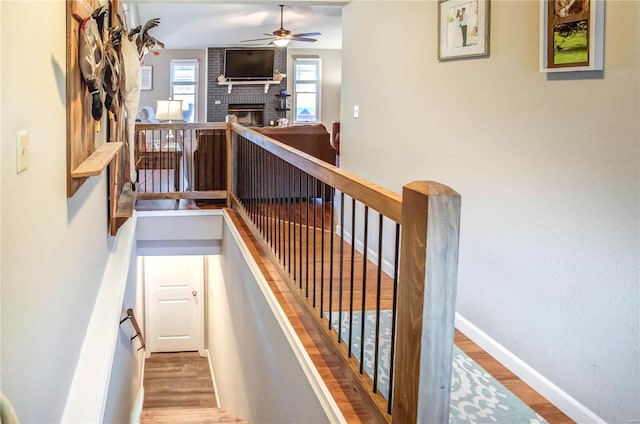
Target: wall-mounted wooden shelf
(94,146)
(98,161)
(266,84)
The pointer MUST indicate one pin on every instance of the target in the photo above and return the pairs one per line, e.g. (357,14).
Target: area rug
(476,397)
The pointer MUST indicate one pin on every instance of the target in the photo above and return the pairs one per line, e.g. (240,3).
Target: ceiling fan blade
(257,39)
(281,34)
(306,34)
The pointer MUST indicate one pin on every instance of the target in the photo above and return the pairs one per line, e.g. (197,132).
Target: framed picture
(146,77)
(572,35)
(463,29)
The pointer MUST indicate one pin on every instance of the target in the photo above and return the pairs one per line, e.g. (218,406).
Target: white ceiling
(198,24)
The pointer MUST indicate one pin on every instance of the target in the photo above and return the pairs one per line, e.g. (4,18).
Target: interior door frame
(149,311)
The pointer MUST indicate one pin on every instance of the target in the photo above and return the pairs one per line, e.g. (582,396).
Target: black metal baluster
(267,198)
(260,182)
(364,284)
(281,253)
(256,176)
(331,264)
(315,230)
(263,197)
(379,295)
(341,267)
(351,280)
(300,216)
(393,317)
(271,197)
(280,209)
(254,165)
(252,186)
(249,171)
(306,268)
(295,261)
(323,191)
(289,215)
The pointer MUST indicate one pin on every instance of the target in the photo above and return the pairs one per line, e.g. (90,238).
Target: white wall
(124,382)
(53,249)
(258,374)
(547,167)
(331,81)
(161,78)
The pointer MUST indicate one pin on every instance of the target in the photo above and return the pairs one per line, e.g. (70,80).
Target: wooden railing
(314,219)
(181,161)
(366,262)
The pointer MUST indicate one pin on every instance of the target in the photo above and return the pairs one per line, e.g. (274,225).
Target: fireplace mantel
(266,84)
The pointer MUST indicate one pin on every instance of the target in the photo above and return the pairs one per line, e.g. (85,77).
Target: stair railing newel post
(426,303)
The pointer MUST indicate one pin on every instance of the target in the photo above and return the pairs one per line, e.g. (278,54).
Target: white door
(175,303)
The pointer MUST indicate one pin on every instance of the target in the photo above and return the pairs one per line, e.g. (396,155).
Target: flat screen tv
(248,64)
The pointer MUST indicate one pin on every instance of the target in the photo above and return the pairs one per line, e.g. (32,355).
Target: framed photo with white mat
(463,29)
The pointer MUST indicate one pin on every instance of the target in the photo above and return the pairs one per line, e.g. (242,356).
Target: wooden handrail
(183,126)
(379,198)
(131,316)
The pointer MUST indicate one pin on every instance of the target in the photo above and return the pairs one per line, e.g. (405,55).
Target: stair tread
(187,415)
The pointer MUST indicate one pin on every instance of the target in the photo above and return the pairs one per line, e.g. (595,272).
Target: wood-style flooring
(180,379)
(354,408)
(178,389)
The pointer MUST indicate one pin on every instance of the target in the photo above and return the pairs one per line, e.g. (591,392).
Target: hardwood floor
(178,389)
(178,380)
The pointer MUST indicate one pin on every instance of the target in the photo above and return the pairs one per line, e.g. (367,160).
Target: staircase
(187,415)
(178,389)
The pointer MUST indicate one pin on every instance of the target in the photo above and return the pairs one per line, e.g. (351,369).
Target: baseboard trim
(136,410)
(554,394)
(213,378)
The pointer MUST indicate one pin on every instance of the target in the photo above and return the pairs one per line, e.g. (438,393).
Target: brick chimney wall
(218,99)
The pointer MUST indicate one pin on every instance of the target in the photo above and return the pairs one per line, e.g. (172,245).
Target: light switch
(356,112)
(22,152)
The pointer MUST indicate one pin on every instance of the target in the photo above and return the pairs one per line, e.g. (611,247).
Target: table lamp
(169,110)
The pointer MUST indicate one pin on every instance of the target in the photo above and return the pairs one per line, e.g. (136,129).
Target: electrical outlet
(22,152)
(356,112)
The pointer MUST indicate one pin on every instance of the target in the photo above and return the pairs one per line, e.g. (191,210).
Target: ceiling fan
(281,37)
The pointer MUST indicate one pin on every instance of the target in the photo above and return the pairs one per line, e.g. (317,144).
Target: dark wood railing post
(426,303)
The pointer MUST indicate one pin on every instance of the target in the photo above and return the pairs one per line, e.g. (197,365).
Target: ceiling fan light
(281,42)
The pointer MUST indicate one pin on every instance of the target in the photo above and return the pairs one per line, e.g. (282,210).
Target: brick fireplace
(248,96)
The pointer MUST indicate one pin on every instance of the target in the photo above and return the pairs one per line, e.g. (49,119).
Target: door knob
(194,293)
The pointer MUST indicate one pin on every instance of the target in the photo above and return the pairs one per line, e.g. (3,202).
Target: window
(184,86)
(306,90)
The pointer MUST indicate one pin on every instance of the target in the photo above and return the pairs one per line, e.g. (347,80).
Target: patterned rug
(476,397)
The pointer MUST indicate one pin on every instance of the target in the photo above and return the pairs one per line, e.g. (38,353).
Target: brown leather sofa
(312,139)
